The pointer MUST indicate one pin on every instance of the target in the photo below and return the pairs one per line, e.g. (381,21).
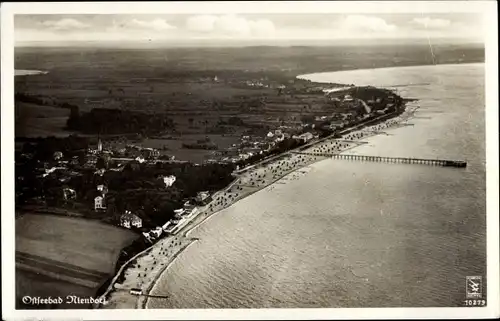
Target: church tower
(99,144)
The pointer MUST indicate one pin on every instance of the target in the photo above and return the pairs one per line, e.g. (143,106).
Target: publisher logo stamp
(474,287)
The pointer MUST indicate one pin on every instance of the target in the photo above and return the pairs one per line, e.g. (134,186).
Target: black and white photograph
(250,160)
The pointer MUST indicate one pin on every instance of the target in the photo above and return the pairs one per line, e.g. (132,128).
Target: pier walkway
(383,159)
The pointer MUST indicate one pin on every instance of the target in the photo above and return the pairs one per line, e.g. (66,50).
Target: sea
(25,72)
(351,233)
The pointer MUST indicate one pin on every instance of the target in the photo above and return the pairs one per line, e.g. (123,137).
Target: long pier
(384,159)
(359,142)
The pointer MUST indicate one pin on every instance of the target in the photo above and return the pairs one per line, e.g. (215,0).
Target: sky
(243,28)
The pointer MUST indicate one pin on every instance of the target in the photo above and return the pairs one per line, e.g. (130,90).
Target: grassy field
(65,252)
(36,120)
(70,240)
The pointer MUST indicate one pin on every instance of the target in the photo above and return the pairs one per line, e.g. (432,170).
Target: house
(169,180)
(347,116)
(191,212)
(172,224)
(58,155)
(74,161)
(49,171)
(334,124)
(150,153)
(304,137)
(166,225)
(128,219)
(100,172)
(91,160)
(188,206)
(102,188)
(140,159)
(243,156)
(148,236)
(121,151)
(156,232)
(99,203)
(279,138)
(202,196)
(69,193)
(348,98)
(179,212)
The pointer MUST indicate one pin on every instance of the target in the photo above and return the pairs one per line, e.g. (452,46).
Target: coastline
(117,298)
(222,201)
(28,72)
(143,300)
(305,76)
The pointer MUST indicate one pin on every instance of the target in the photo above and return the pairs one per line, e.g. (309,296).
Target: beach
(144,271)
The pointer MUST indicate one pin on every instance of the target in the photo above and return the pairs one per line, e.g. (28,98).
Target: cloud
(432,23)
(204,23)
(156,24)
(262,27)
(367,23)
(64,24)
(230,25)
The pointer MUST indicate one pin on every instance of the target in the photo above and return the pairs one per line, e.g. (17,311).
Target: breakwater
(383,159)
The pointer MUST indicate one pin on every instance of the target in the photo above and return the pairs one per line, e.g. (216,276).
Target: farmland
(198,87)
(65,253)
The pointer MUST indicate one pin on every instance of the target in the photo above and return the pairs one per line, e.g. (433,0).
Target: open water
(357,234)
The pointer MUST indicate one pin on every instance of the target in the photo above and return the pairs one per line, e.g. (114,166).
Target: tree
(101,163)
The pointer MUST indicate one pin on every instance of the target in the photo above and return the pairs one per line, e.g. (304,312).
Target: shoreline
(28,72)
(306,76)
(142,301)
(253,179)
(188,228)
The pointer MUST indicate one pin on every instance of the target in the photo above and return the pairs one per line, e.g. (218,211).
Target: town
(154,193)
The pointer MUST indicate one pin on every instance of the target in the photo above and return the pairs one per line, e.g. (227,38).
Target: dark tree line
(117,121)
(44,148)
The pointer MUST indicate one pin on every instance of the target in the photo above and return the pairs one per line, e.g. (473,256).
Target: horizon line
(246,43)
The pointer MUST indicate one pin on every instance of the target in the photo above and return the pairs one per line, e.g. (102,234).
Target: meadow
(64,252)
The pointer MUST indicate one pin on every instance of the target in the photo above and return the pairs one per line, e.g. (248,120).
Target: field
(64,252)
(199,87)
(36,120)
(34,284)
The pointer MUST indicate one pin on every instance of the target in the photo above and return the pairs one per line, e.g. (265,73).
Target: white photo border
(487,8)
